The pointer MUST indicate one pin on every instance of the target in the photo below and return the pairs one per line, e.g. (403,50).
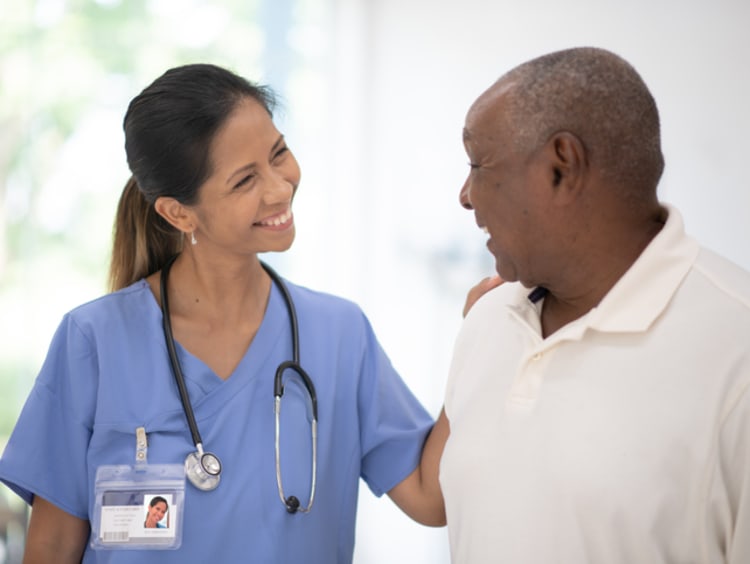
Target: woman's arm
(419,495)
(54,535)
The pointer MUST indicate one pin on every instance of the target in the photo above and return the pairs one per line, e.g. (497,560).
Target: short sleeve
(46,453)
(394,424)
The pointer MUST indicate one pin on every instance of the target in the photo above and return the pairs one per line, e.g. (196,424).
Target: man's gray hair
(600,98)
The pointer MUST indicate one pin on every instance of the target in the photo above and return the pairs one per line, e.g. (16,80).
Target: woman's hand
(484,286)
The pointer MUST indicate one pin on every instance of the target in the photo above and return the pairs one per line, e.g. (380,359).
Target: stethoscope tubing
(176,368)
(291,503)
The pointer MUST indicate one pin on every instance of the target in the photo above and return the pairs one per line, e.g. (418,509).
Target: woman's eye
(281,152)
(473,166)
(245,180)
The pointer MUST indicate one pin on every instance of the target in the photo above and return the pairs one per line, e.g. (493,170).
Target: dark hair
(169,128)
(599,97)
(156,500)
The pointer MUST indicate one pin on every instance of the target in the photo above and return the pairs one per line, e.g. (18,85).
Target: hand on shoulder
(480,289)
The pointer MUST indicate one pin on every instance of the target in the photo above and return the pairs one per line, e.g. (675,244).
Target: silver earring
(193,240)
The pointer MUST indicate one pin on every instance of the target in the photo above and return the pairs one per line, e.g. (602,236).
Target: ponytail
(143,240)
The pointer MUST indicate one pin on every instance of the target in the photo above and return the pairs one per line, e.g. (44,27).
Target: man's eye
(280,152)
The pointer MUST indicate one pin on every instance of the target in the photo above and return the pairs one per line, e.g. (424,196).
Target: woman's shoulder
(308,298)
(129,302)
(324,309)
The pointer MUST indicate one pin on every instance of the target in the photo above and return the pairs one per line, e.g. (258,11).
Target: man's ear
(177,215)
(567,165)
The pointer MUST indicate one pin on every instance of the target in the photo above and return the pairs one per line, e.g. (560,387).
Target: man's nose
(464,195)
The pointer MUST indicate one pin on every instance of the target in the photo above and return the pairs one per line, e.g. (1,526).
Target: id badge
(138,507)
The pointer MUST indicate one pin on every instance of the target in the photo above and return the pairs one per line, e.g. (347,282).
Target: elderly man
(598,405)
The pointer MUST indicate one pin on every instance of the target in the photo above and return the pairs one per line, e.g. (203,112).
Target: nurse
(157,509)
(213,183)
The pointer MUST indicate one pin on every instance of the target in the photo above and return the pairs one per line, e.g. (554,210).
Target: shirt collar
(645,289)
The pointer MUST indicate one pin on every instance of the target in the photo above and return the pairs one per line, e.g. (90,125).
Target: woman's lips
(280,221)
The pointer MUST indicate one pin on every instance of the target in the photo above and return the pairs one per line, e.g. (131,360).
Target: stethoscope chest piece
(203,469)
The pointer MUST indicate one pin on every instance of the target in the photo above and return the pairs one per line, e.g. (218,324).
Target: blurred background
(374,94)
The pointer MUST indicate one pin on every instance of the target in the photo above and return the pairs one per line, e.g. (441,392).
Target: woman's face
(157,511)
(245,206)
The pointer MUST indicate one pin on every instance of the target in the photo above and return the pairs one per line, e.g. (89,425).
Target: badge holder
(138,507)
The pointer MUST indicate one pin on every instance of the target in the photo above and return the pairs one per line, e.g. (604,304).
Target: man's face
(503,188)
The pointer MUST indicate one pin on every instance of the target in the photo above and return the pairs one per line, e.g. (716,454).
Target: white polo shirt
(624,437)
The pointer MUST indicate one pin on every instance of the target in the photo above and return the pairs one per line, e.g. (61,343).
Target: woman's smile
(277,222)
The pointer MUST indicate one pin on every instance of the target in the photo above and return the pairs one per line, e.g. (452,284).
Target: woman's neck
(215,309)
(217,290)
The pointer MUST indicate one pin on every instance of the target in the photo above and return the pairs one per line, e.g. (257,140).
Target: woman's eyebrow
(245,168)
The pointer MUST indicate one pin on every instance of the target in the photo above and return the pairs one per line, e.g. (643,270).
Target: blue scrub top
(107,372)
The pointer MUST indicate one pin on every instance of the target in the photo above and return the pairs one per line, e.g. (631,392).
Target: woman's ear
(567,165)
(177,215)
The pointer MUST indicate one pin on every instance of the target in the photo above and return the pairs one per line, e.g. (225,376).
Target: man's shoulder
(724,276)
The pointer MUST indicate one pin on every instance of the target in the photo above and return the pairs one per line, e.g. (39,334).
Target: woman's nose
(279,188)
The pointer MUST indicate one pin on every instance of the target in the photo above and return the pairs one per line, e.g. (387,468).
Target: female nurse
(213,184)
(157,509)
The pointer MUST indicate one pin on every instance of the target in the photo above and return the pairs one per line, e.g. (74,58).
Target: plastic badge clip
(141,447)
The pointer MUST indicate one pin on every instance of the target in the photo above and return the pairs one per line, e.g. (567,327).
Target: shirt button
(536,357)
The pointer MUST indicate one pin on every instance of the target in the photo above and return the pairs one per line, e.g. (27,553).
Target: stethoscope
(203,469)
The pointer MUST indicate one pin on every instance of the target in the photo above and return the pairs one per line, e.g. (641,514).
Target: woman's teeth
(279,219)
